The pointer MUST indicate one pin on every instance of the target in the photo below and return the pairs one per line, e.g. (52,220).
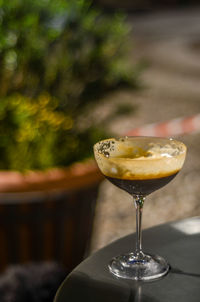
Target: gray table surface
(178,242)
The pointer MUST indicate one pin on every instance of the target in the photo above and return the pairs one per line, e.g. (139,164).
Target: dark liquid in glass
(141,186)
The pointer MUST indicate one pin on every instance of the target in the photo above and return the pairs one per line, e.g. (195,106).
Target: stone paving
(170,43)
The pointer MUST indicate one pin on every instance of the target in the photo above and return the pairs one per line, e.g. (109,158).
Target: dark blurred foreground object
(47,216)
(31,282)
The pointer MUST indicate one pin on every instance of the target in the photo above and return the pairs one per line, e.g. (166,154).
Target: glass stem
(139,202)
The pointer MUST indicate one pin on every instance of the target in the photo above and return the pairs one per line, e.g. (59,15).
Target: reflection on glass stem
(139,202)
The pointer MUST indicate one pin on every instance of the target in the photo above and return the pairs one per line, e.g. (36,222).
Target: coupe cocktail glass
(139,165)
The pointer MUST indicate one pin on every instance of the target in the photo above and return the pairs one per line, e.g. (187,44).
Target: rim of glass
(184,148)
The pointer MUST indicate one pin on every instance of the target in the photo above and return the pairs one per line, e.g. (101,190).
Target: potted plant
(57,56)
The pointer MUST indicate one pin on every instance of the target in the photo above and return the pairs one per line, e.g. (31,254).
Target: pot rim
(77,176)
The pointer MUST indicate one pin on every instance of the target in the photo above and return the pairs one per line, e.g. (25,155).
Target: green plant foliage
(56,57)
(61,46)
(35,135)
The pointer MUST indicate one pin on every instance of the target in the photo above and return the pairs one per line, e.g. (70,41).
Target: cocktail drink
(139,165)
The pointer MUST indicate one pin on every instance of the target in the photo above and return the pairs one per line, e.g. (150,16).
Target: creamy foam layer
(139,157)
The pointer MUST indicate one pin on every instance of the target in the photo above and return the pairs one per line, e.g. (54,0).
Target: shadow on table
(80,287)
(180,272)
(139,296)
(98,290)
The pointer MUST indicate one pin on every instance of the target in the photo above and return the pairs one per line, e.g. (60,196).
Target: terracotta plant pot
(47,216)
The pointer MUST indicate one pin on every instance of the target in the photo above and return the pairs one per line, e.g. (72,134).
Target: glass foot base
(142,267)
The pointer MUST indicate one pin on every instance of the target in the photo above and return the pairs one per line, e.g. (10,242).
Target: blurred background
(72,73)
(166,39)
